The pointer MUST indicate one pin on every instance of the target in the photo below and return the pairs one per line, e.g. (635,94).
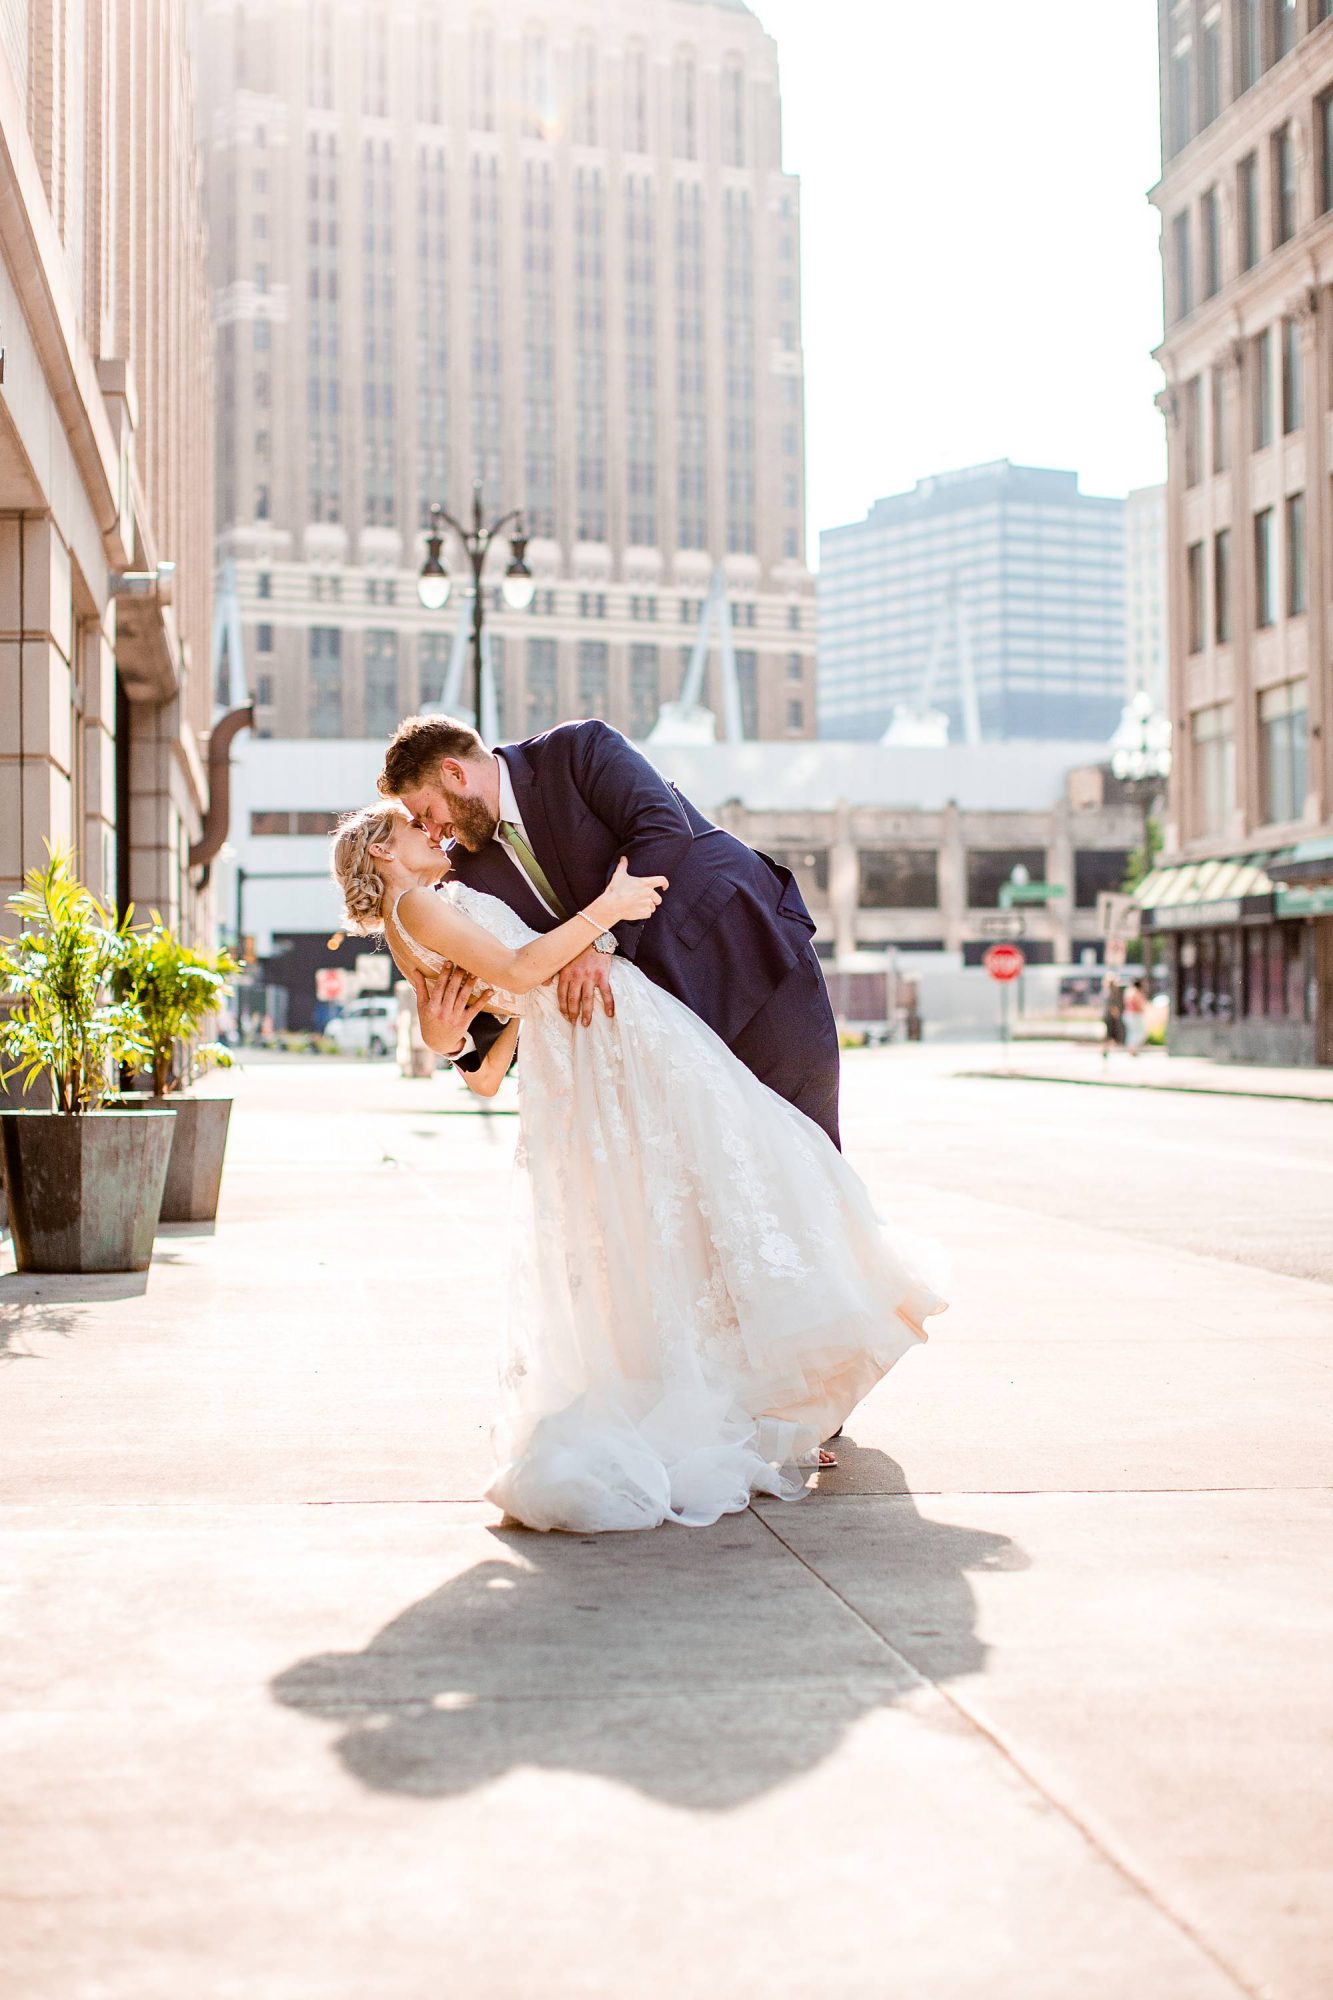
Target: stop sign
(329,982)
(1004,961)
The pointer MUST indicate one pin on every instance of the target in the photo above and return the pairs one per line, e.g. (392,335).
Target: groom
(541,825)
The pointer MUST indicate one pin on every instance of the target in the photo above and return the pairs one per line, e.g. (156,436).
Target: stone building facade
(105,452)
(1246,199)
(554,250)
(916,879)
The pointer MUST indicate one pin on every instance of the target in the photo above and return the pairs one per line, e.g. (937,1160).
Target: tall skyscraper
(1145,593)
(1001,576)
(552,250)
(1246,200)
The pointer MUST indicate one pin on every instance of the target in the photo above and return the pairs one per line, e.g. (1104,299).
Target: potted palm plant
(84,1181)
(175,988)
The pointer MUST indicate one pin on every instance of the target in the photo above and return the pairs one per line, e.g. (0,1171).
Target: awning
(1308,861)
(1240,889)
(1233,890)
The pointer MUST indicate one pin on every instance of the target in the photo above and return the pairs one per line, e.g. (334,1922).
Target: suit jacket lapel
(528,794)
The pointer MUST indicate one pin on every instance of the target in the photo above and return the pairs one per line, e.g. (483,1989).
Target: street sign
(1002,927)
(1004,962)
(330,982)
(1029,892)
(1118,916)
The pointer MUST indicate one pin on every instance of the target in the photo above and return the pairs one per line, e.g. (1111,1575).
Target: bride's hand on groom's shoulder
(447,1007)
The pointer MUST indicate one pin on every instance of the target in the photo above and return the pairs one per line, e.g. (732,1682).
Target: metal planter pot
(84,1193)
(194,1176)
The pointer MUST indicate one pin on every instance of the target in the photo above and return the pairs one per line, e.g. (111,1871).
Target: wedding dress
(700,1290)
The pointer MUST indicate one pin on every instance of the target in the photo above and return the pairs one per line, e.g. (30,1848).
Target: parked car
(367,1027)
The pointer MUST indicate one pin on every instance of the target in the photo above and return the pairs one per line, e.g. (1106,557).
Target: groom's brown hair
(418,744)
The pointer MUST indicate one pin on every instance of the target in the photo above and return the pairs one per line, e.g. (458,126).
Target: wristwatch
(605,943)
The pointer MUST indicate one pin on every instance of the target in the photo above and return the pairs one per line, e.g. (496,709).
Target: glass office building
(1003,575)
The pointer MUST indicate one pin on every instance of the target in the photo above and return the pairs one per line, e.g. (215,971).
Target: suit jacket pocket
(704,912)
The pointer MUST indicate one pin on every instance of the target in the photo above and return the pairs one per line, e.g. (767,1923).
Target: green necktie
(532,867)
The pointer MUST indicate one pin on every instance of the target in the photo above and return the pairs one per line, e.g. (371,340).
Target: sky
(981,275)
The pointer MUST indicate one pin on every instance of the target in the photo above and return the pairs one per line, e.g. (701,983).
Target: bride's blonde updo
(354,867)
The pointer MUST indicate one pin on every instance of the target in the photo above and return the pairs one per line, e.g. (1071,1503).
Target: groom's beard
(474,823)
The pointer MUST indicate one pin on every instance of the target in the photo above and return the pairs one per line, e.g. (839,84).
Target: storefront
(1251,957)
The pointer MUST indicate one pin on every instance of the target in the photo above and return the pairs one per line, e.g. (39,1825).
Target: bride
(700,1289)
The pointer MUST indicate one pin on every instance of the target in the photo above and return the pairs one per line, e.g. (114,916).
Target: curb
(1116,1083)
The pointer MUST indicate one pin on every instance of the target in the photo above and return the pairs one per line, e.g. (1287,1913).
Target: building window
(645,697)
(1284,185)
(381,713)
(541,691)
(263,638)
(1182,90)
(1249,43)
(1283,736)
(264,690)
(594,686)
(1247,203)
(1222,586)
(1213,743)
(1275,972)
(1210,66)
(1193,398)
(897,878)
(989,868)
(1296,564)
(1284,28)
(1261,381)
(634,91)
(265,584)
(1265,602)
(685,109)
(1196,584)
(432,665)
(326,680)
(795,667)
(733,115)
(1211,220)
(585,91)
(1182,240)
(1324,114)
(795,716)
(1098,871)
(1293,377)
(1221,437)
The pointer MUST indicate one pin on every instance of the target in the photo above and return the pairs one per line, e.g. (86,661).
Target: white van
(366,1027)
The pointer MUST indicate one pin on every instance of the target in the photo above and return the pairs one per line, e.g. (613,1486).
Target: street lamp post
(433,585)
(1141,757)
(1141,761)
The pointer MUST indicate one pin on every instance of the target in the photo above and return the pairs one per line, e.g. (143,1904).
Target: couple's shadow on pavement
(700,1667)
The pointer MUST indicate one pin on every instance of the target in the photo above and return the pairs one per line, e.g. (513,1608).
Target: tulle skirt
(700,1290)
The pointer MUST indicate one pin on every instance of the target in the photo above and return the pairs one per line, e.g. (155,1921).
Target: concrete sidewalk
(1152,1069)
(1029,1703)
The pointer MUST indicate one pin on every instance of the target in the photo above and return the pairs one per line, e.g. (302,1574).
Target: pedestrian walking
(1135,1016)
(1113,1018)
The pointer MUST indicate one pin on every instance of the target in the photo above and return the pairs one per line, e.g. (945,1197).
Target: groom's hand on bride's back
(585,981)
(447,1007)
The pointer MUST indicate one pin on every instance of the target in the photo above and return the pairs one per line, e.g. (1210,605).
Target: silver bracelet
(590,920)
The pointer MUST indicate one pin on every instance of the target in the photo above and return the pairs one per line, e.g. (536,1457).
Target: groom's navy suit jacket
(732,937)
